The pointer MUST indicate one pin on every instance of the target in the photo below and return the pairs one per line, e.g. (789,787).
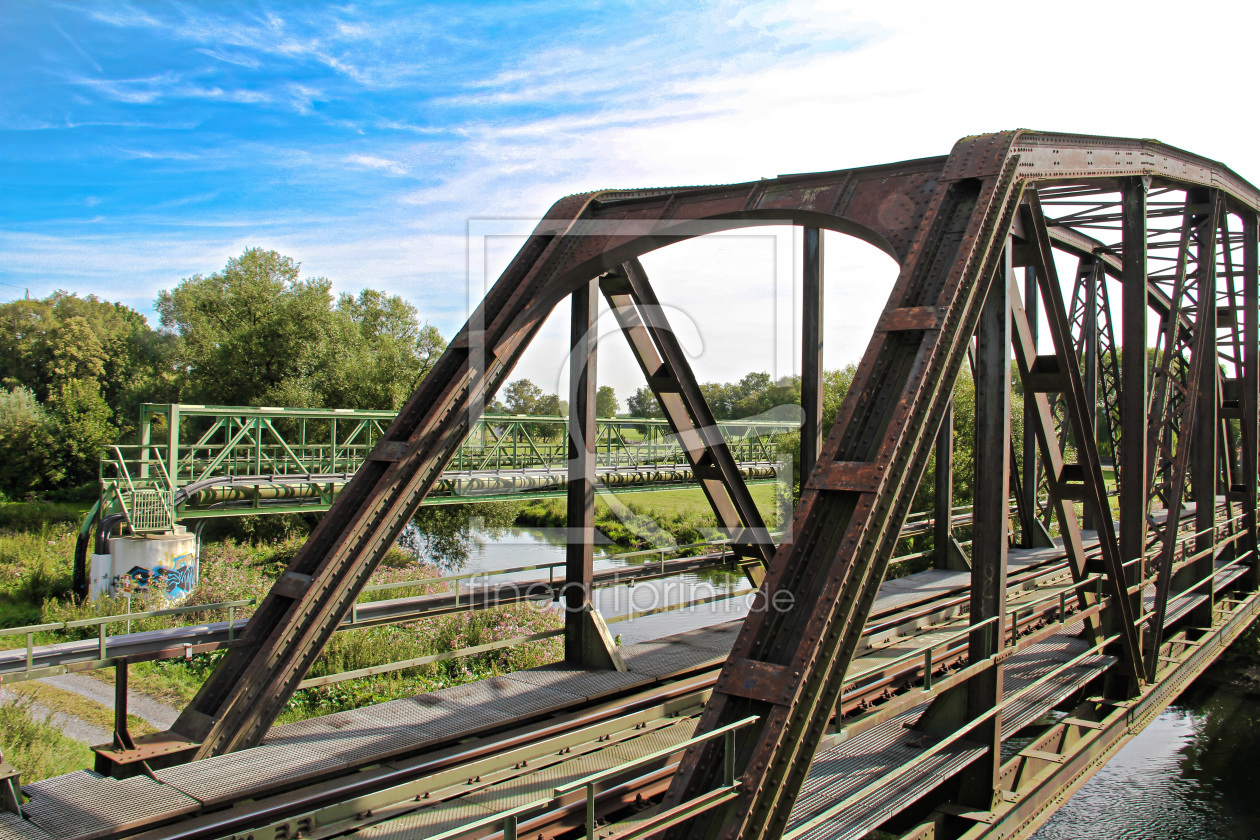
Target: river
(1192,774)
(515,547)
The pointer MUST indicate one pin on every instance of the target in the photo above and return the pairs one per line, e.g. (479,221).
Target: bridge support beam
(1084,480)
(586,638)
(1251,387)
(991,526)
(1134,297)
(660,356)
(1090,373)
(811,350)
(1205,466)
(1035,535)
(948,553)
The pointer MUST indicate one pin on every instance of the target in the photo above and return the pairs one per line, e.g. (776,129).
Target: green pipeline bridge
(853,695)
(199,461)
(196,462)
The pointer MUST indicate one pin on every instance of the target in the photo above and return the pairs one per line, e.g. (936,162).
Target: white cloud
(238,58)
(373,162)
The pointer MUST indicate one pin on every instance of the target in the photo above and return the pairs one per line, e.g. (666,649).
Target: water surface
(515,547)
(1192,774)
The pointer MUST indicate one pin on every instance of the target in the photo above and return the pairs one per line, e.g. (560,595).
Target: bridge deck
(878,753)
(911,614)
(84,805)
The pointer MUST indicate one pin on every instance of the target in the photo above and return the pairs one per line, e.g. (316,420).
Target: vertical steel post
(146,442)
(1090,372)
(121,736)
(1204,466)
(579,553)
(942,527)
(172,449)
(1134,377)
(991,518)
(811,350)
(1032,462)
(1251,385)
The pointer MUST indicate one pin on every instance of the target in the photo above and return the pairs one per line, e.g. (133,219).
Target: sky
(408,147)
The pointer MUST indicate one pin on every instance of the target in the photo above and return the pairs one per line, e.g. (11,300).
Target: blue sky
(141,143)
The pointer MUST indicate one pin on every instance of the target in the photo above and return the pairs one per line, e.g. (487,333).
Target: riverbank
(36,571)
(656,519)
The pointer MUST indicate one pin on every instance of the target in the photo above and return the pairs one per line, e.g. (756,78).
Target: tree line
(75,369)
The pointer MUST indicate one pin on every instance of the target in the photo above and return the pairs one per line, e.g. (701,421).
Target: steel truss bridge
(966,701)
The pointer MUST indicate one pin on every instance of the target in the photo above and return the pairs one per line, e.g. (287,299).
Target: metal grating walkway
(848,767)
(303,752)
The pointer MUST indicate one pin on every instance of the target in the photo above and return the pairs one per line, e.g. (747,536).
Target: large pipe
(470,485)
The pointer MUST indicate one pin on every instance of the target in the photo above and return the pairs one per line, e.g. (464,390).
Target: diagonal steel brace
(1093,487)
(655,347)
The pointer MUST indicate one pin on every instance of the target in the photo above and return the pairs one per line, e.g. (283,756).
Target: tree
(83,428)
(606,402)
(256,333)
(522,397)
(251,333)
(377,353)
(643,404)
(63,337)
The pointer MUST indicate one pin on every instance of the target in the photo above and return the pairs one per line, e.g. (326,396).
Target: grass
(28,516)
(36,550)
(692,501)
(234,571)
(36,565)
(363,648)
(169,681)
(68,703)
(35,745)
(175,681)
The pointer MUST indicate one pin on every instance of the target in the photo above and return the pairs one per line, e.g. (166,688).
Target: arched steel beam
(787,666)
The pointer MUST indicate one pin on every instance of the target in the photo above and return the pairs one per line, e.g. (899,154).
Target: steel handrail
(589,782)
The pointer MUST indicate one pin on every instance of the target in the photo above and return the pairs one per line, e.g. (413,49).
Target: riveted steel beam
(669,375)
(789,661)
(1086,479)
(1250,476)
(811,349)
(586,638)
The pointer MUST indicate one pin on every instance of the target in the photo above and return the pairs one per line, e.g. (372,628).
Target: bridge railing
(550,586)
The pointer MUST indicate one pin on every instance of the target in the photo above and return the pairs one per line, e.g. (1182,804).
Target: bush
(35,566)
(31,516)
(636,528)
(54,446)
(29,462)
(83,429)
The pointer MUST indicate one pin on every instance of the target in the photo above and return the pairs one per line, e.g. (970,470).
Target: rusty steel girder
(958,226)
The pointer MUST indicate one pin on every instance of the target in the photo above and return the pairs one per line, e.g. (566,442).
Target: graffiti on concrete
(174,581)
